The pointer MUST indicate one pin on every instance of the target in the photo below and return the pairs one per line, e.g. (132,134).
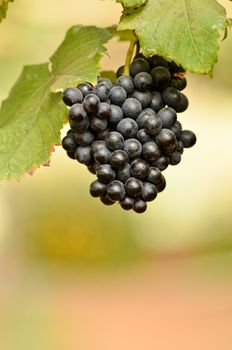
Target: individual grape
(162,163)
(102,155)
(133,148)
(97,124)
(166,140)
(69,143)
(183,104)
(106,201)
(168,117)
(151,151)
(77,112)
(154,175)
(178,83)
(171,97)
(144,97)
(91,103)
(116,191)
(120,71)
(116,114)
(131,108)
(119,159)
(124,174)
(79,126)
(114,141)
(161,77)
(106,82)
(85,88)
(143,116)
(83,155)
(149,192)
(84,138)
(143,81)
(160,186)
(139,168)
(156,61)
(188,138)
(139,65)
(71,96)
(127,203)
(153,125)
(117,95)
(97,189)
(104,111)
(127,127)
(143,136)
(133,187)
(139,206)
(102,91)
(126,83)
(175,158)
(96,145)
(156,101)
(105,173)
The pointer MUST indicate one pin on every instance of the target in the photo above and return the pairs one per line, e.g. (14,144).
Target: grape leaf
(4,8)
(108,74)
(132,3)
(77,58)
(30,122)
(186,32)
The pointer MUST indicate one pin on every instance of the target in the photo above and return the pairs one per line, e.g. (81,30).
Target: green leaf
(77,59)
(132,3)
(4,8)
(186,32)
(30,122)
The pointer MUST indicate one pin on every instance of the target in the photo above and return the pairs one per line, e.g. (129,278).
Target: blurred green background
(77,275)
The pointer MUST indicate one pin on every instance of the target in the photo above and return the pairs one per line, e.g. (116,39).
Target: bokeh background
(75,275)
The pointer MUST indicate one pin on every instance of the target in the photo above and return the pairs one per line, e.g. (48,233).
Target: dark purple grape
(124,174)
(104,111)
(178,83)
(188,138)
(149,192)
(143,136)
(126,83)
(133,187)
(120,71)
(127,127)
(156,61)
(69,143)
(133,148)
(116,191)
(161,77)
(139,206)
(102,91)
(151,151)
(156,101)
(85,88)
(77,112)
(97,189)
(91,103)
(114,141)
(175,158)
(106,82)
(97,124)
(84,138)
(117,95)
(119,159)
(102,155)
(143,81)
(71,96)
(116,114)
(171,97)
(162,163)
(139,65)
(83,155)
(168,117)
(139,168)
(105,173)
(183,104)
(154,175)
(127,203)
(131,108)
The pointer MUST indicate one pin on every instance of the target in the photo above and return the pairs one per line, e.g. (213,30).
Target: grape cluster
(127,132)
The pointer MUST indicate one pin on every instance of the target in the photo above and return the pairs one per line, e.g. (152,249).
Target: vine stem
(129,56)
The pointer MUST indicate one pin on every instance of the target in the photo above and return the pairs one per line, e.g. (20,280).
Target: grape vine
(181,36)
